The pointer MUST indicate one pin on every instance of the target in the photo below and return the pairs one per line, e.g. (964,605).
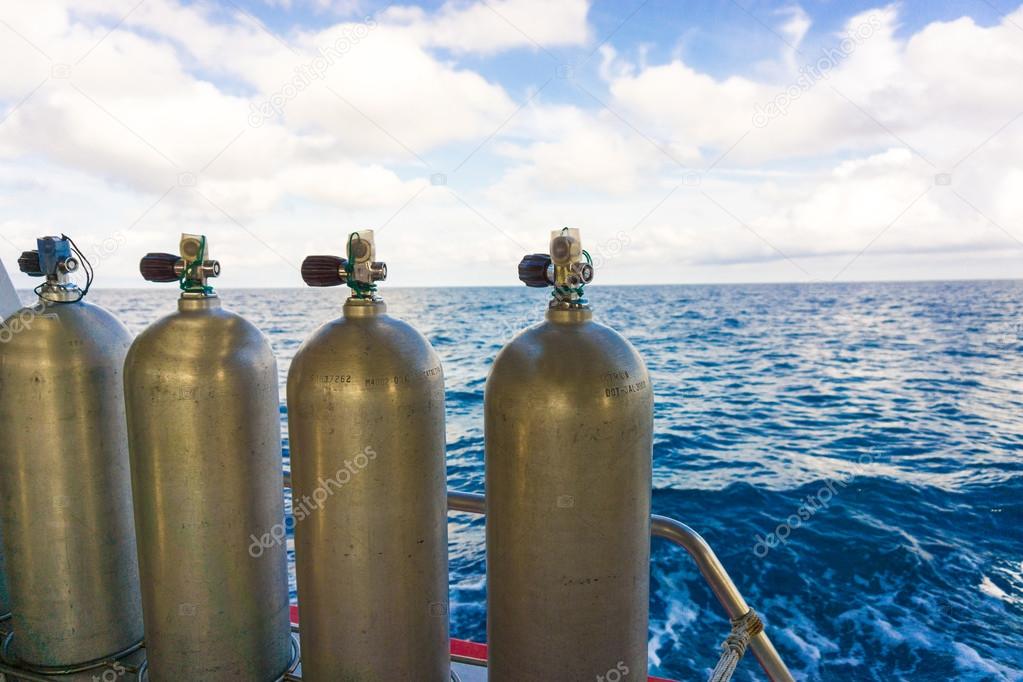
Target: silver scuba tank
(204,432)
(569,432)
(65,487)
(366,427)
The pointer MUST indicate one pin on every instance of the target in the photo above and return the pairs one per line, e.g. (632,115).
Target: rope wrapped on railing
(744,629)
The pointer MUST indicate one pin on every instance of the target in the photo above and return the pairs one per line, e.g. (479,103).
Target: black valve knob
(324,271)
(159,267)
(533,270)
(30,265)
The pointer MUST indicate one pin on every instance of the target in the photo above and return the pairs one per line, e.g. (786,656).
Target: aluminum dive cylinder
(65,484)
(569,431)
(204,433)
(366,427)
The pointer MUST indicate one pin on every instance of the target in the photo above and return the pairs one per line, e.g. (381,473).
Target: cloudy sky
(695,141)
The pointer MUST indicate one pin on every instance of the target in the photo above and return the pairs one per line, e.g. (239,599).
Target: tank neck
(364,307)
(192,302)
(52,292)
(569,315)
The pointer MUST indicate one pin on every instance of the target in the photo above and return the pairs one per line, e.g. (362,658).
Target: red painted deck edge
(461,648)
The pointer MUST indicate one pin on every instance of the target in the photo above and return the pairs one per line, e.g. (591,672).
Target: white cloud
(393,84)
(136,111)
(922,93)
(338,7)
(496,25)
(794,29)
(566,149)
(949,84)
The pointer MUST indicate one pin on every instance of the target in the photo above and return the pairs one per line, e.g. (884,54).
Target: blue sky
(690,141)
(719,36)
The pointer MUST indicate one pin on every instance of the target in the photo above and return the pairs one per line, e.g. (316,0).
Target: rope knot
(744,629)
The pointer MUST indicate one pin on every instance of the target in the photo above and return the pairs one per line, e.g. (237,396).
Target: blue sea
(852,452)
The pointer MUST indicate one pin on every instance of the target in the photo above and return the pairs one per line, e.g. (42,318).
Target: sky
(691,141)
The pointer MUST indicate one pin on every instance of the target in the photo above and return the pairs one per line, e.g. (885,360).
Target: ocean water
(853,453)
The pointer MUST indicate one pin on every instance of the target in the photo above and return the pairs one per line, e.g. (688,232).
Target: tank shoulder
(44,310)
(220,332)
(554,355)
(81,324)
(567,345)
(219,320)
(383,336)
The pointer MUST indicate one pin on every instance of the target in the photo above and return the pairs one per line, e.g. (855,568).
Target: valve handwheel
(30,265)
(159,267)
(324,271)
(533,270)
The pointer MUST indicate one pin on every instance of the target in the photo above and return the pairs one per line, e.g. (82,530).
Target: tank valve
(52,258)
(55,258)
(568,268)
(359,271)
(192,268)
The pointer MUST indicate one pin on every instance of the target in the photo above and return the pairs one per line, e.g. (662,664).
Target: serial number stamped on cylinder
(187,394)
(379,382)
(619,383)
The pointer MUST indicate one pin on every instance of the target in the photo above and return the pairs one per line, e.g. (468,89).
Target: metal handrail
(680,534)
(710,566)
(720,582)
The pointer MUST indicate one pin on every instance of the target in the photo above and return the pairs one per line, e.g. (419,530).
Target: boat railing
(710,566)
(673,531)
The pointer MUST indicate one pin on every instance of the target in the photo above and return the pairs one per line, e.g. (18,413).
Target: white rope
(744,629)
